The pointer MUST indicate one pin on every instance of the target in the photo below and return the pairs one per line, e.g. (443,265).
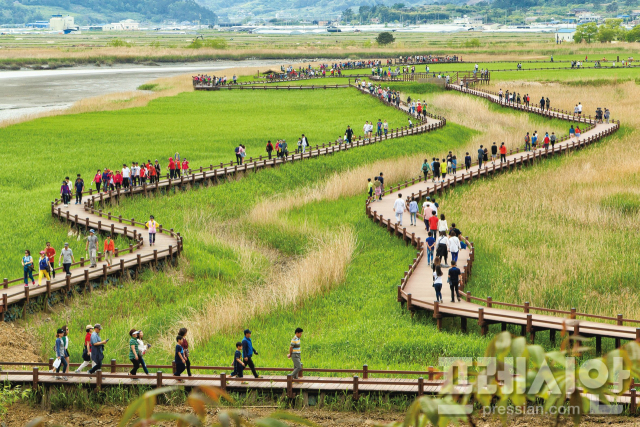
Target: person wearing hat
(97,348)
(134,352)
(86,349)
(61,361)
(66,257)
(92,247)
(248,351)
(43,266)
(152,226)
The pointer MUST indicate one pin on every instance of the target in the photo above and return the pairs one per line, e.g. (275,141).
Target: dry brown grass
(549,224)
(317,272)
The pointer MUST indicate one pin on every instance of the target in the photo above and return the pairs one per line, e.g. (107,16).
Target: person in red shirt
(433,223)
(545,142)
(185,166)
(172,168)
(117,180)
(86,351)
(143,174)
(152,173)
(51,254)
(109,249)
(503,153)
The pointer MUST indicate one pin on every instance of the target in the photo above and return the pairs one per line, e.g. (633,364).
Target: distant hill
(100,11)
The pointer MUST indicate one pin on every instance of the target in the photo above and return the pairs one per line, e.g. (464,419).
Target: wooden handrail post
(420,386)
(99,379)
(223,381)
(356,393)
(113,366)
(365,371)
(159,379)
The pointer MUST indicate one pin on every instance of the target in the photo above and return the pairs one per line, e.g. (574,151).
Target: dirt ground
(21,414)
(16,345)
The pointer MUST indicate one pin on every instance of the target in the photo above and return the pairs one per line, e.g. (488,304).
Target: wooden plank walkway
(169,244)
(416,290)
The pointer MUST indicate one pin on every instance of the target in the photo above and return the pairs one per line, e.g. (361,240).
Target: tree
(612,7)
(585,32)
(611,30)
(634,34)
(385,38)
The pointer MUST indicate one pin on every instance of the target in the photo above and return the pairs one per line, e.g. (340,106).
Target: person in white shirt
(399,206)
(454,246)
(305,143)
(126,175)
(135,173)
(443,227)
(579,108)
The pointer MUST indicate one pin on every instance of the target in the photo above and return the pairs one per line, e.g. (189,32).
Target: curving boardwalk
(416,288)
(94,214)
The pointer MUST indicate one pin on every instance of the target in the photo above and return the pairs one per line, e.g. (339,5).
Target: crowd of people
(512,97)
(93,349)
(46,262)
(204,79)
(422,59)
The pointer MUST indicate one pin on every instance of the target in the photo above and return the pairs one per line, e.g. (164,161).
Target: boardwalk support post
(481,322)
(356,393)
(223,381)
(99,379)
(365,372)
(159,379)
(633,405)
(420,386)
(290,386)
(35,378)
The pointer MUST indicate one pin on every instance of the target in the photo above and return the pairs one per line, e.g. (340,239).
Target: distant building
(565,34)
(126,25)
(61,23)
(38,24)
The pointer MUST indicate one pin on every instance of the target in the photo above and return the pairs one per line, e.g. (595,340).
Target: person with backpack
(527,142)
(442,248)
(552,140)
(426,169)
(43,267)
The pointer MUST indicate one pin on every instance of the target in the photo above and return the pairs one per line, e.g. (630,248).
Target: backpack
(237,150)
(526,138)
(425,167)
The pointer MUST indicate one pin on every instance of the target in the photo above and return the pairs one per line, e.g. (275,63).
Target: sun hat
(97,326)
(42,252)
(66,244)
(92,231)
(89,327)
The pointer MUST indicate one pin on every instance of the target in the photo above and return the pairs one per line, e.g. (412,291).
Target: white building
(60,23)
(565,34)
(126,25)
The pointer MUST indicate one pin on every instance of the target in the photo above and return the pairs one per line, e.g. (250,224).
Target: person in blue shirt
(431,244)
(248,351)
(181,361)
(413,211)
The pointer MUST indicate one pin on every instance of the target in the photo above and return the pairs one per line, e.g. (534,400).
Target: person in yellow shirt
(152,225)
(370,186)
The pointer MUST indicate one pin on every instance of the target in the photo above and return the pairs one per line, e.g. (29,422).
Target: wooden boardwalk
(93,214)
(416,289)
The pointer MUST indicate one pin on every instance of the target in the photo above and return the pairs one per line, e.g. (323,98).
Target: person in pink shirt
(117,180)
(185,166)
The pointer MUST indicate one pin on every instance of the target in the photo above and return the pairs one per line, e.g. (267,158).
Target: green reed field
(204,127)
(231,255)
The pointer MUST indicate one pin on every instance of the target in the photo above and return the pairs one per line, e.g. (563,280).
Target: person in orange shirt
(503,153)
(152,173)
(109,249)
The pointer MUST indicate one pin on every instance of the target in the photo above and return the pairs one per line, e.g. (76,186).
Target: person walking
(381,179)
(66,258)
(65,193)
(480,156)
(27,266)
(65,340)
(79,186)
(185,345)
(86,349)
(180,360)
(467,161)
(152,225)
(109,249)
(51,255)
(435,166)
(494,153)
(454,246)
(527,142)
(349,134)
(426,168)
(503,153)
(437,282)
(43,267)
(60,361)
(134,352)
(454,281)
(578,132)
(92,248)
(143,348)
(97,349)
(442,224)
(269,149)
(442,248)
(552,140)
(294,353)
(238,364)
(97,179)
(248,351)
(413,212)
(431,244)
(399,206)
(377,189)
(433,223)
